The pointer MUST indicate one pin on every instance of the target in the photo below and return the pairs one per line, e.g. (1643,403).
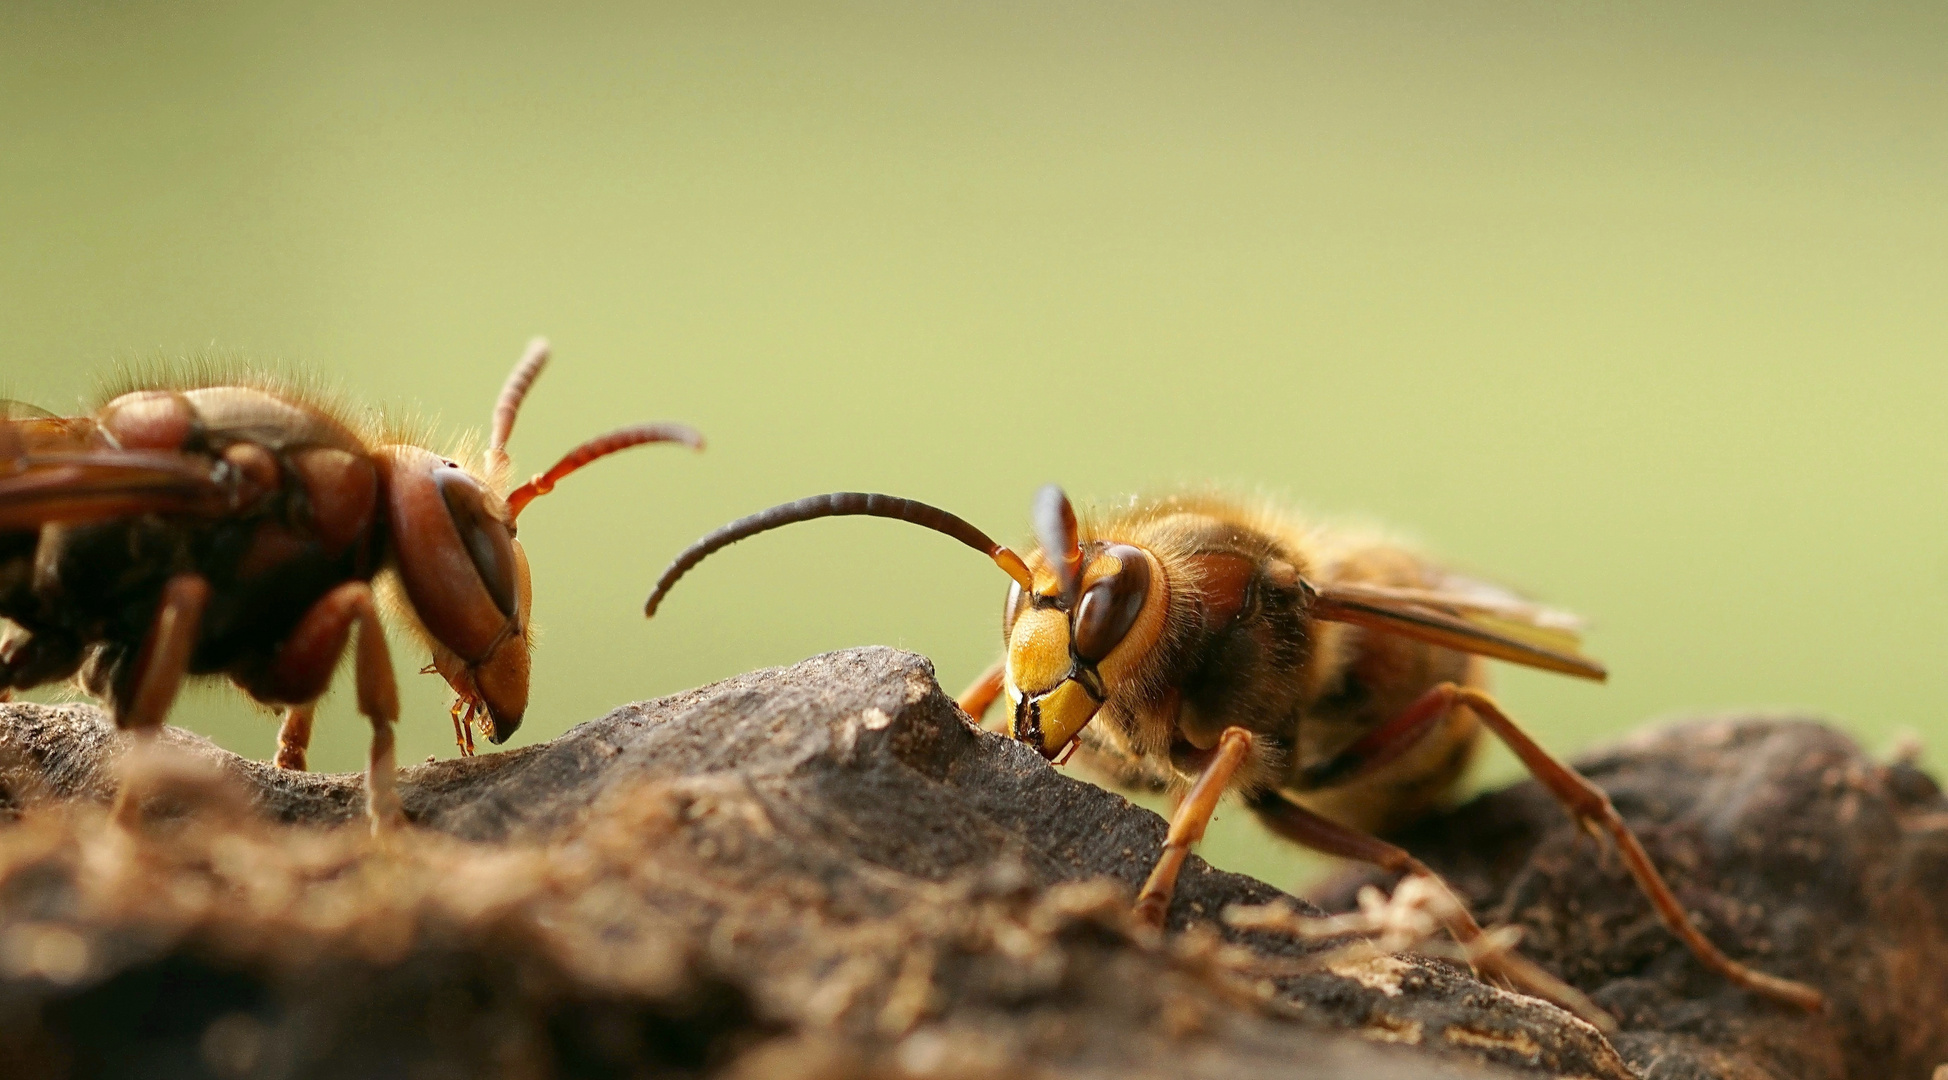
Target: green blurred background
(1640,309)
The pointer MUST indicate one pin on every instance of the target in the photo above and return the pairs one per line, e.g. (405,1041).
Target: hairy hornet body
(1236,644)
(291,508)
(1334,680)
(238,530)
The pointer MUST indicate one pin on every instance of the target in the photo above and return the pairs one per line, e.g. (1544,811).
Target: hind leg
(1586,803)
(30,658)
(1592,810)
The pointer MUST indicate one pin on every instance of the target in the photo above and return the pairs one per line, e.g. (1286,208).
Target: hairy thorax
(302,516)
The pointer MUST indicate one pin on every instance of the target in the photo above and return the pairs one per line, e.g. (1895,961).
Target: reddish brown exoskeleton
(226,527)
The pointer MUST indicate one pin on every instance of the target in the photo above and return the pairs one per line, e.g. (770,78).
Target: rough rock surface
(826,871)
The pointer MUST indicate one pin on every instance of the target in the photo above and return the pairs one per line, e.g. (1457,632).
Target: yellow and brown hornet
(1333,679)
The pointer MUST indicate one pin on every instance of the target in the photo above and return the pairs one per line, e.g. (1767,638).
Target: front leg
(979,697)
(463,712)
(294,736)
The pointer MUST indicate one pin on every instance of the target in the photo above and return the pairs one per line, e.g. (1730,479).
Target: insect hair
(291,382)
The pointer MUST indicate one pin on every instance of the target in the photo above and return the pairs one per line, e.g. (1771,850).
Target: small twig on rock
(1408,921)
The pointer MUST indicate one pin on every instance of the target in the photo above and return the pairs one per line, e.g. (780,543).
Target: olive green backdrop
(1642,311)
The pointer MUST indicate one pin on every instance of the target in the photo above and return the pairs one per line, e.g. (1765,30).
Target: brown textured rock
(814,871)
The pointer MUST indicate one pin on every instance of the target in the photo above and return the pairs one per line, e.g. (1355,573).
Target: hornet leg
(305,661)
(463,725)
(1382,745)
(979,697)
(1492,957)
(1592,810)
(294,736)
(142,700)
(163,660)
(1301,826)
(1188,821)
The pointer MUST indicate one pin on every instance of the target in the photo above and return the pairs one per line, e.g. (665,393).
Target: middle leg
(302,669)
(1491,955)
(148,687)
(294,736)
(1287,818)
(1188,822)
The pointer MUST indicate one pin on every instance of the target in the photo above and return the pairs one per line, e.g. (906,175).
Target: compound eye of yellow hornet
(1109,607)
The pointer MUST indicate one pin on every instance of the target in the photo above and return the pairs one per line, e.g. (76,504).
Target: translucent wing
(11,409)
(26,428)
(1466,615)
(77,486)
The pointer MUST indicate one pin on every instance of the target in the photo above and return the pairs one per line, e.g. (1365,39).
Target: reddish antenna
(599,447)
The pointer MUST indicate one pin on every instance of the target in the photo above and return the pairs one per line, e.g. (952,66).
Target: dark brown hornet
(223,527)
(1333,679)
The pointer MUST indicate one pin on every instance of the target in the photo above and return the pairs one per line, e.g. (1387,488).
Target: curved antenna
(838,504)
(508,406)
(599,447)
(1055,530)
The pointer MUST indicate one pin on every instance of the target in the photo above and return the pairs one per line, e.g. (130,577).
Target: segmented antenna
(839,504)
(513,392)
(1055,530)
(600,447)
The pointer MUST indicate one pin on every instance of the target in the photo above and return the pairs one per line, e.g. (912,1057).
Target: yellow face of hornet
(1068,657)
(1082,621)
